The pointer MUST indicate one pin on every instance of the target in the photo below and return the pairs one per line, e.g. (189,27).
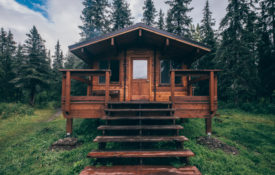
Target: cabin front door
(140,84)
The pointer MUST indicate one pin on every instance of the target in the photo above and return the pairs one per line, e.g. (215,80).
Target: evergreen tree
(121,14)
(58,58)
(161,20)
(18,60)
(208,38)
(95,18)
(179,21)
(7,53)
(238,79)
(149,13)
(34,71)
(195,32)
(266,48)
(169,25)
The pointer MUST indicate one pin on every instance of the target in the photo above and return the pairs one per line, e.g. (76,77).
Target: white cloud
(65,18)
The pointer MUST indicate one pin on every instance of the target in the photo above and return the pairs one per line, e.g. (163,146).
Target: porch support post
(208,120)
(69,126)
(155,72)
(173,87)
(107,83)
(68,93)
(63,89)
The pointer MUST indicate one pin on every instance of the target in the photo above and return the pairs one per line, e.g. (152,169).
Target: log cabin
(138,73)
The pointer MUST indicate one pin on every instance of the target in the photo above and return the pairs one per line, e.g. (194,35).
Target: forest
(243,47)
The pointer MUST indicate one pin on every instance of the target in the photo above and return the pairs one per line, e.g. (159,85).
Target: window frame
(108,67)
(171,67)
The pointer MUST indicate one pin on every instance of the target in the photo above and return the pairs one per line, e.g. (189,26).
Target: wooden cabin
(140,83)
(139,64)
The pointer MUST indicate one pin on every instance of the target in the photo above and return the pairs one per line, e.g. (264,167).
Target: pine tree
(34,71)
(179,21)
(58,58)
(160,23)
(18,61)
(195,32)
(7,54)
(95,18)
(169,25)
(266,48)
(237,81)
(121,15)
(149,13)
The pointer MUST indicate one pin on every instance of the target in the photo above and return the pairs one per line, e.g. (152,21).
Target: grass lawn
(25,142)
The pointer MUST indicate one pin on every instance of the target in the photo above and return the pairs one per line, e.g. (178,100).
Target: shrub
(14,109)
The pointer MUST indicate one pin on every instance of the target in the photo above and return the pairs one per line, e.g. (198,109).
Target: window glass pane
(139,69)
(103,65)
(114,66)
(165,71)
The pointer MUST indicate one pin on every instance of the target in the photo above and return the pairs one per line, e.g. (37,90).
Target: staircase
(142,131)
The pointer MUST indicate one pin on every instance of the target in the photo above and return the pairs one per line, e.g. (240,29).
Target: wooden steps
(140,154)
(141,118)
(140,170)
(137,131)
(140,110)
(140,139)
(140,127)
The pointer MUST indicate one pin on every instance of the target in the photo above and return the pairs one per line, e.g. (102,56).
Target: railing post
(63,90)
(68,92)
(216,85)
(211,91)
(89,87)
(190,89)
(107,84)
(173,87)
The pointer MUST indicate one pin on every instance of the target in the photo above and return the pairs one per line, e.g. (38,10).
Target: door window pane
(140,69)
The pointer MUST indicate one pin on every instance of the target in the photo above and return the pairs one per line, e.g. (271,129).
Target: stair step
(139,138)
(140,154)
(144,170)
(140,102)
(141,118)
(140,127)
(139,110)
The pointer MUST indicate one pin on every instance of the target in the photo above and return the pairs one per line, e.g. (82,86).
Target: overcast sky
(59,19)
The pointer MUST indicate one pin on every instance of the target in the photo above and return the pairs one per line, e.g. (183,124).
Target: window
(165,67)
(140,69)
(113,65)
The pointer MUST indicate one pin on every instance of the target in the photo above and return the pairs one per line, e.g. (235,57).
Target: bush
(15,109)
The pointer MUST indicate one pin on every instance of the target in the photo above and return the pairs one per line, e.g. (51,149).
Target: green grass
(25,142)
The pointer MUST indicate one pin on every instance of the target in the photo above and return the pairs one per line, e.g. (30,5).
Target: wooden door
(140,83)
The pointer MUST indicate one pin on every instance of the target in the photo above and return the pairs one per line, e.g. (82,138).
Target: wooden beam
(69,126)
(83,80)
(112,41)
(139,32)
(205,77)
(89,87)
(211,91)
(216,85)
(167,42)
(190,89)
(173,87)
(68,92)
(107,84)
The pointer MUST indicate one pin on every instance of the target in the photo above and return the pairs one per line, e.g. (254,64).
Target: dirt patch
(214,143)
(68,143)
(55,115)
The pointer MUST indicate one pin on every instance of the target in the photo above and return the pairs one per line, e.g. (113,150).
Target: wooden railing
(198,75)
(81,75)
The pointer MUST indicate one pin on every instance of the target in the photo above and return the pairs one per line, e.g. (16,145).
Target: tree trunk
(32,97)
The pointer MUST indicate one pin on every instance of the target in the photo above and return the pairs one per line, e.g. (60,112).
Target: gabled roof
(138,26)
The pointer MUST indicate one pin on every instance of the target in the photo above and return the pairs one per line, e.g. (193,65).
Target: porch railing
(84,76)
(194,76)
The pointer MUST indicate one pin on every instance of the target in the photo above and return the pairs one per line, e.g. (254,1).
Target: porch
(96,103)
